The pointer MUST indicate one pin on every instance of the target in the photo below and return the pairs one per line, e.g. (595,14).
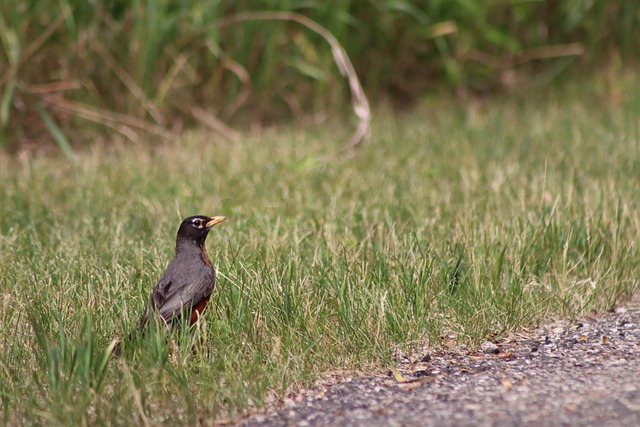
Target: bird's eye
(197,222)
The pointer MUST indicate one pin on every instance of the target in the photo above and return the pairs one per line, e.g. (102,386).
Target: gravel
(580,373)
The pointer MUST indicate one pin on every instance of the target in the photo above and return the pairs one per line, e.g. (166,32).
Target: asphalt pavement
(584,372)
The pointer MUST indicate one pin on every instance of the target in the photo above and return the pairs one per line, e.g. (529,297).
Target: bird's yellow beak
(214,220)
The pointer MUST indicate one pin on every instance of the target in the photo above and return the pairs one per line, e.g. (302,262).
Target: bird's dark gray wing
(181,288)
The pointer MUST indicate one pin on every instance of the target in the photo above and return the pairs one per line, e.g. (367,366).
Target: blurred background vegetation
(149,68)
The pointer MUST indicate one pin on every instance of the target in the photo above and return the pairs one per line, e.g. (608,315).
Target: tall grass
(455,223)
(141,68)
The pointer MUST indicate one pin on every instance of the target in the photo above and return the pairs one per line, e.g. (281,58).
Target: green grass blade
(57,134)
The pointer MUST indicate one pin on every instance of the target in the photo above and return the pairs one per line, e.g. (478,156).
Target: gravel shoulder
(579,373)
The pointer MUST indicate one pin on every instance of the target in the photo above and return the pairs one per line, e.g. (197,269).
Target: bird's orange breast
(199,308)
(205,256)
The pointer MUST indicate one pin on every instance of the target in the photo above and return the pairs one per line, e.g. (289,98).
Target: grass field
(462,219)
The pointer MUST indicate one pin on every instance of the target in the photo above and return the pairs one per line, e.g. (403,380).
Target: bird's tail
(117,343)
(117,347)
(140,329)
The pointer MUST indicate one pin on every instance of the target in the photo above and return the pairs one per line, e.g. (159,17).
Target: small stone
(490,348)
(421,373)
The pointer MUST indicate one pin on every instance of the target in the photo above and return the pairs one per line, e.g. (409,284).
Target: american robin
(186,286)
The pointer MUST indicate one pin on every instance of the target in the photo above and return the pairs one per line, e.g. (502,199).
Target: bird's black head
(196,228)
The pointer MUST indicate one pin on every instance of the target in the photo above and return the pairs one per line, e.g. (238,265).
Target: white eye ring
(197,222)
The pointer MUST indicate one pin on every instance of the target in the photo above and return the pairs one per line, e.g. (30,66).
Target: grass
(465,219)
(140,67)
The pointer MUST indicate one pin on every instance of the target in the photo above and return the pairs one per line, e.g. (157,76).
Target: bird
(186,286)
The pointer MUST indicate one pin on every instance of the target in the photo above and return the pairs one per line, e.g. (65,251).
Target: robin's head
(196,228)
